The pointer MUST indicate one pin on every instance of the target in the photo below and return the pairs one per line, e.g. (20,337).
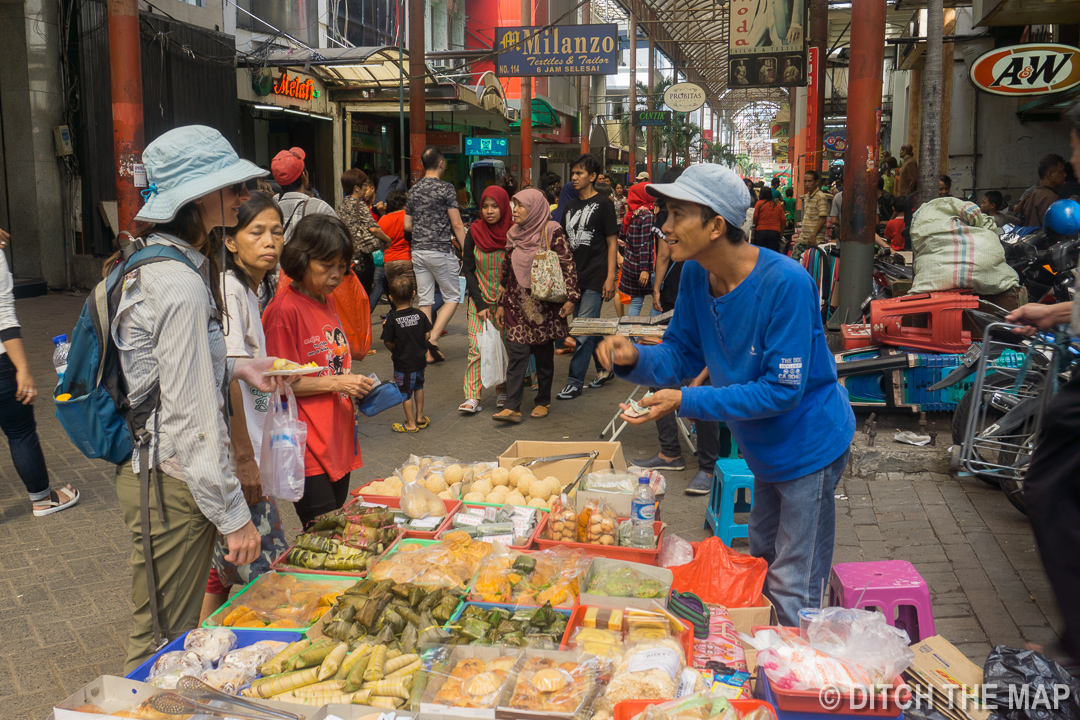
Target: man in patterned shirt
(433,218)
(815,210)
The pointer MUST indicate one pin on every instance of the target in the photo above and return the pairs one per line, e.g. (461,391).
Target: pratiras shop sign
(557,50)
(1034,69)
(295,87)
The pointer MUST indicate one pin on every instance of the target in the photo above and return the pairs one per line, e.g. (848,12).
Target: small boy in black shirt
(406,332)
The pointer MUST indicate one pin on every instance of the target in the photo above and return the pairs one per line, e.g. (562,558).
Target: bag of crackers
(562,521)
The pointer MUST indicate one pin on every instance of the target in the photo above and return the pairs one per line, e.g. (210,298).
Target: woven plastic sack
(722,576)
(956,249)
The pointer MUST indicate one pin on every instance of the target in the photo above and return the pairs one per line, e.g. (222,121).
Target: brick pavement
(65,579)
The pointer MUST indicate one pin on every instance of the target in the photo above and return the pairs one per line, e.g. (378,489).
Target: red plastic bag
(722,576)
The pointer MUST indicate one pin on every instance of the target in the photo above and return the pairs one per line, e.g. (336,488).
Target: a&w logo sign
(1035,69)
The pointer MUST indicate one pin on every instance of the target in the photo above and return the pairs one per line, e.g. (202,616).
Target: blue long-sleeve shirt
(773,377)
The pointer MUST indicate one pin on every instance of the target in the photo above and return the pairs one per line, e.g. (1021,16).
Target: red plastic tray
(629,709)
(452,506)
(577,619)
(369,497)
(645,557)
(531,545)
(887,704)
(280,565)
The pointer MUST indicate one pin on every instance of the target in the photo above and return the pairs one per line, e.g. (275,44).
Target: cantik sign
(1032,69)
(296,87)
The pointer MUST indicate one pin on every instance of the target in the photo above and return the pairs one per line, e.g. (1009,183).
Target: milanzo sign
(1034,69)
(684,97)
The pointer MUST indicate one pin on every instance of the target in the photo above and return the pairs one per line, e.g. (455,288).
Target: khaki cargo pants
(183,547)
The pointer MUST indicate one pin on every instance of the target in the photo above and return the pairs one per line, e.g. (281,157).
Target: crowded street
(522,359)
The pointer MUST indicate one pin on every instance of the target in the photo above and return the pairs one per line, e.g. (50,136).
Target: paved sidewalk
(65,579)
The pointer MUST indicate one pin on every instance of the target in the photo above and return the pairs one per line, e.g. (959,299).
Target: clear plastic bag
(472,677)
(281,464)
(212,644)
(418,502)
(792,664)
(228,679)
(493,357)
(597,523)
(675,551)
(171,666)
(864,638)
(451,563)
(611,480)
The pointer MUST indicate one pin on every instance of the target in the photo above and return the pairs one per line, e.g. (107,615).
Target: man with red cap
(295,201)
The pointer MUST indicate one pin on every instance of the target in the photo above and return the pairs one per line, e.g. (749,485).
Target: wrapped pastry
(545,685)
(212,645)
(475,683)
(228,679)
(171,666)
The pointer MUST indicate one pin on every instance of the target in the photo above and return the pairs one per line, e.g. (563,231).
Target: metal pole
(403,159)
(585,121)
(633,96)
(125,73)
(858,219)
(930,137)
(649,147)
(417,81)
(526,108)
(819,39)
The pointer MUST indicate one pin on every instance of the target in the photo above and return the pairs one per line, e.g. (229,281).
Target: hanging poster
(766,43)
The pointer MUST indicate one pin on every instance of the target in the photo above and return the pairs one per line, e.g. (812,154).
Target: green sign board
(645,118)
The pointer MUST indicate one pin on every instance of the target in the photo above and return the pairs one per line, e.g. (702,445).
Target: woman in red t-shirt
(302,325)
(769,220)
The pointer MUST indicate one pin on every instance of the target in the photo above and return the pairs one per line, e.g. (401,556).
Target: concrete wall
(32,105)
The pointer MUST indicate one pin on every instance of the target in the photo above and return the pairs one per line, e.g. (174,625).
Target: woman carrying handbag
(538,290)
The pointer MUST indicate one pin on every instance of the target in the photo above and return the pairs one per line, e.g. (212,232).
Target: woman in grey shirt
(168,329)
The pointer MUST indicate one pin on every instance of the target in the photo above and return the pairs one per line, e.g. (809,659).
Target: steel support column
(858,219)
(632,143)
(417,81)
(526,109)
(125,72)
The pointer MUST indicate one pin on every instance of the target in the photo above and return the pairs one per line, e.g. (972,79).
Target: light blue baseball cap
(186,163)
(711,185)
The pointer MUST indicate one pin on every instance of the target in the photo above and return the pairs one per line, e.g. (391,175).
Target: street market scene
(514,359)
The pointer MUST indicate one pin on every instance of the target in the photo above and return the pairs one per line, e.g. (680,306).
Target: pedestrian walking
(367,236)
(302,324)
(406,333)
(433,218)
(815,210)
(529,325)
(638,244)
(769,220)
(482,262)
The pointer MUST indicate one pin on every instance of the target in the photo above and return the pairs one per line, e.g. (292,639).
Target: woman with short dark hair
(367,236)
(302,324)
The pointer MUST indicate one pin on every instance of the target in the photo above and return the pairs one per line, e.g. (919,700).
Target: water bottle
(642,512)
(60,354)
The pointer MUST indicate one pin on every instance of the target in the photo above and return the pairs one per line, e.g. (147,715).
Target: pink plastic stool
(894,587)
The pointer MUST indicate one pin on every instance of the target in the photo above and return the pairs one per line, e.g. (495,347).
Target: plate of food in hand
(283,367)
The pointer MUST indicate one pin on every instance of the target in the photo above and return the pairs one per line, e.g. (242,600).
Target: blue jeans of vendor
(753,319)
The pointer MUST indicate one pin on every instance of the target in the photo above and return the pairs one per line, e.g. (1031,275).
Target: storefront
(284,107)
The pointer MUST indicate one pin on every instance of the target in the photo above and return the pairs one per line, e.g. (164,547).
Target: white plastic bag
(281,463)
(863,637)
(675,551)
(493,358)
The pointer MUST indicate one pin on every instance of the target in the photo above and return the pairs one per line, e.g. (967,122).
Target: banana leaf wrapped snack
(346,540)
(540,627)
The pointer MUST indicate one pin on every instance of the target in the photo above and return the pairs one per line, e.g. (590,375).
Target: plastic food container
(336,583)
(530,545)
(281,566)
(638,555)
(245,637)
(577,619)
(452,506)
(629,709)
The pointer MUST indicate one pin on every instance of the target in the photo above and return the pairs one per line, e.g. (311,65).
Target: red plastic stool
(944,313)
(894,587)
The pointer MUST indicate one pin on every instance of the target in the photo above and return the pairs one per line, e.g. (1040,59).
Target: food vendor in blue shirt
(752,317)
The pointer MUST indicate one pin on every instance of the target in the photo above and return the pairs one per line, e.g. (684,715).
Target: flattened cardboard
(746,619)
(938,665)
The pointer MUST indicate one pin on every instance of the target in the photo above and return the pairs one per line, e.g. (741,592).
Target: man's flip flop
(424,422)
(53,504)
(400,427)
(507,416)
(540,411)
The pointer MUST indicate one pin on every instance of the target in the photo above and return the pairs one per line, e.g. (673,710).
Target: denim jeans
(636,303)
(17,422)
(792,526)
(378,285)
(590,305)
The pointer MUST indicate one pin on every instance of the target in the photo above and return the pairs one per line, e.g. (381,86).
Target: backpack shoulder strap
(157,253)
(299,206)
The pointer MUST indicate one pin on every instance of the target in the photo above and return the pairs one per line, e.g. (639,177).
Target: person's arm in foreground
(1041,317)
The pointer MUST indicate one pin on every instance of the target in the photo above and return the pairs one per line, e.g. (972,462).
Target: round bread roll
(538,503)
(500,476)
(408,473)
(473,497)
(393,482)
(554,485)
(481,486)
(436,484)
(453,474)
(515,498)
(445,495)
(516,473)
(523,484)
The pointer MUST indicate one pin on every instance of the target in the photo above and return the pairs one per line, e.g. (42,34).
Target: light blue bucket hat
(186,163)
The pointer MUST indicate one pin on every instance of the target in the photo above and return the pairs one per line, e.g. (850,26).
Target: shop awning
(543,116)
(357,68)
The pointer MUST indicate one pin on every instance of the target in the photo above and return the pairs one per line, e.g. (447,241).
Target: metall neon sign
(296,87)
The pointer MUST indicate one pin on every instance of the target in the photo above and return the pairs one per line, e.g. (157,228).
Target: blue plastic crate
(244,638)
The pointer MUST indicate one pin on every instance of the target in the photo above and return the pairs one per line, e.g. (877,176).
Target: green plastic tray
(237,599)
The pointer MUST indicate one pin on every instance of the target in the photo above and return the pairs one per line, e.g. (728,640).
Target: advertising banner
(558,50)
(767,43)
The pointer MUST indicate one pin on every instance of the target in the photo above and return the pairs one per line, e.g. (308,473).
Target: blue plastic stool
(729,477)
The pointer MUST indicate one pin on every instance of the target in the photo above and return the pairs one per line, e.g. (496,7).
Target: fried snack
(544,685)
(451,563)
(473,683)
(550,576)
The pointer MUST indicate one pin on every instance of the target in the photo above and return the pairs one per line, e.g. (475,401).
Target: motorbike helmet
(1063,218)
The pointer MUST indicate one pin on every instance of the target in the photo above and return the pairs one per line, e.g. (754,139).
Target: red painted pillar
(858,218)
(125,72)
(526,108)
(417,78)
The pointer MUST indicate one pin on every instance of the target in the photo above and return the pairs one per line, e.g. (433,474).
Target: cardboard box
(607,601)
(745,619)
(112,694)
(940,668)
(610,455)
(357,712)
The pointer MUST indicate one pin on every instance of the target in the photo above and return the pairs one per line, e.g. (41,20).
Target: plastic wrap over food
(471,678)
(281,601)
(651,668)
(510,576)
(228,679)
(171,666)
(792,664)
(418,502)
(611,480)
(450,563)
(675,551)
(212,644)
(252,656)
(553,684)
(862,637)
(702,706)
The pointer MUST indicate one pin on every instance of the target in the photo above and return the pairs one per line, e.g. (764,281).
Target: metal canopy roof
(354,68)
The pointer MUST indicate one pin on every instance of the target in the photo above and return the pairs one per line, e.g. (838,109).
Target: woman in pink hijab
(531,326)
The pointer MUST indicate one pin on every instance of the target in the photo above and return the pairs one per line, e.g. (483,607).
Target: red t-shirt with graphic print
(304,330)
